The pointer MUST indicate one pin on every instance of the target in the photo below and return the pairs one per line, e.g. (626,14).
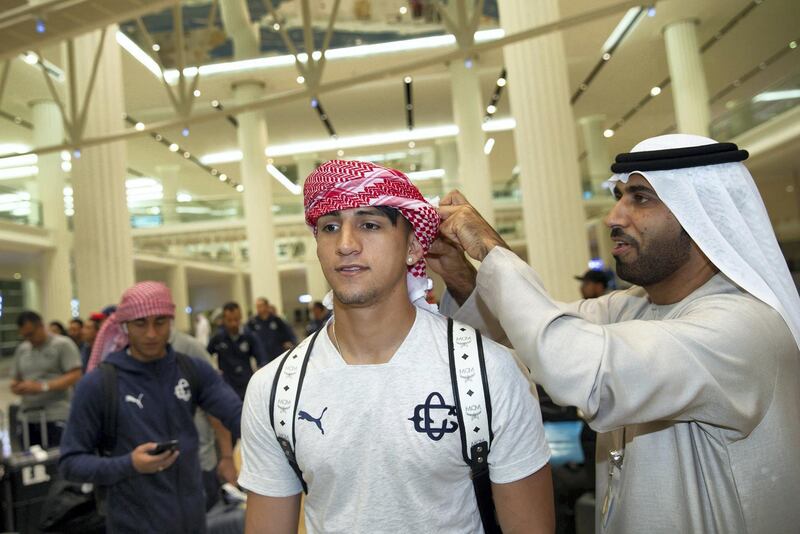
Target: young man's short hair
(77,320)
(230,306)
(28,316)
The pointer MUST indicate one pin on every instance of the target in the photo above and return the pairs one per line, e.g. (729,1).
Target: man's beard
(356,298)
(656,263)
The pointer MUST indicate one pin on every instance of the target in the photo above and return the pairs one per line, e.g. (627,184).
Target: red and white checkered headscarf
(144,299)
(341,185)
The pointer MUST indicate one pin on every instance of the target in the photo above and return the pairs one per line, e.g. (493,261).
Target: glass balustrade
(19,207)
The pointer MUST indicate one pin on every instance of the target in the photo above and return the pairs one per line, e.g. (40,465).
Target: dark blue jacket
(273,332)
(149,410)
(233,357)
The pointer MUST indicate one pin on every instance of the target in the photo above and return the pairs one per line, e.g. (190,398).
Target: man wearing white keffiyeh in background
(691,380)
(360,451)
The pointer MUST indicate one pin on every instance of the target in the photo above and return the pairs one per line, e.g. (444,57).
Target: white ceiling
(638,64)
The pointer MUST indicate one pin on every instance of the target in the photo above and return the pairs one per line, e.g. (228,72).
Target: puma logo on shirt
(305,416)
(135,400)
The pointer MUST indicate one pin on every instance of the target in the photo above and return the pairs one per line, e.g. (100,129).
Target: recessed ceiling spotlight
(606,56)
(301,79)
(223,177)
(156,47)
(403,10)
(276,26)
(173,147)
(139,126)
(316,55)
(655,91)
(491,109)
(215,103)
(407,79)
(411,144)
(185,132)
(608,133)
(196,93)
(793,45)
(340,152)
(187,155)
(158,137)
(501,82)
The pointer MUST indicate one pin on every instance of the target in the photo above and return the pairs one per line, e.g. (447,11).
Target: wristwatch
(45,386)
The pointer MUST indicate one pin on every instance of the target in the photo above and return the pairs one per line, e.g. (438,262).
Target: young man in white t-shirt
(377,439)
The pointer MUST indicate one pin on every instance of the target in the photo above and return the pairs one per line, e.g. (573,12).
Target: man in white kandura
(371,425)
(691,379)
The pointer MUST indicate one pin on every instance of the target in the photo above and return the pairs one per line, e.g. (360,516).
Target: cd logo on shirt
(433,417)
(244,346)
(183,390)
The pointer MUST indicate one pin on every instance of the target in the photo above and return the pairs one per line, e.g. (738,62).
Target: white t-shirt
(371,462)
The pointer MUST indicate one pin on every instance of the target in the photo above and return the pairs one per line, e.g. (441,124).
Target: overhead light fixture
(31,58)
(66,166)
(793,45)
(173,147)
(138,54)
(501,82)
(156,47)
(487,148)
(608,133)
(655,91)
(625,25)
(358,141)
(19,172)
(223,177)
(403,10)
(426,175)
(139,126)
(183,197)
(276,26)
(407,79)
(196,93)
(19,161)
(284,180)
(239,188)
(407,45)
(316,55)
(491,109)
(301,79)
(40,26)
(340,152)
(773,96)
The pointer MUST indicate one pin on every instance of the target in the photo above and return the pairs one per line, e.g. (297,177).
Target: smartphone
(170,445)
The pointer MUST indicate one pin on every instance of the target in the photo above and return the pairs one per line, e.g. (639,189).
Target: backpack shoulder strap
(474,411)
(285,396)
(108,428)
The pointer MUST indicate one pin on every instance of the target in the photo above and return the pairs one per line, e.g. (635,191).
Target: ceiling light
(407,79)
(19,161)
(185,132)
(655,91)
(316,55)
(139,126)
(40,27)
(340,152)
(793,45)
(140,55)
(282,178)
(426,175)
(66,166)
(491,109)
(223,177)
(173,147)
(651,12)
(606,56)
(501,82)
(403,10)
(608,133)
(183,197)
(215,103)
(214,172)
(411,144)
(158,137)
(228,156)
(187,155)
(65,155)
(19,172)
(76,153)
(625,25)
(772,96)
(196,93)
(300,79)
(240,188)
(468,63)
(487,148)
(276,26)
(31,58)
(156,47)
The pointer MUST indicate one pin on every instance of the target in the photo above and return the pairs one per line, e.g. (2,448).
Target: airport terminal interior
(169,140)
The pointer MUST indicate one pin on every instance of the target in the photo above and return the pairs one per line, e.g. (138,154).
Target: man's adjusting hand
(464,226)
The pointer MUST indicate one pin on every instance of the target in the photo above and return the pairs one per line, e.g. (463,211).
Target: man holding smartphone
(150,466)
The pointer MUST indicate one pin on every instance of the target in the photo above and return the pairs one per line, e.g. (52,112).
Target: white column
(179,286)
(597,159)
(316,284)
(103,246)
(546,148)
(689,89)
(48,129)
(238,288)
(447,159)
(473,165)
(169,176)
(30,294)
(252,136)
